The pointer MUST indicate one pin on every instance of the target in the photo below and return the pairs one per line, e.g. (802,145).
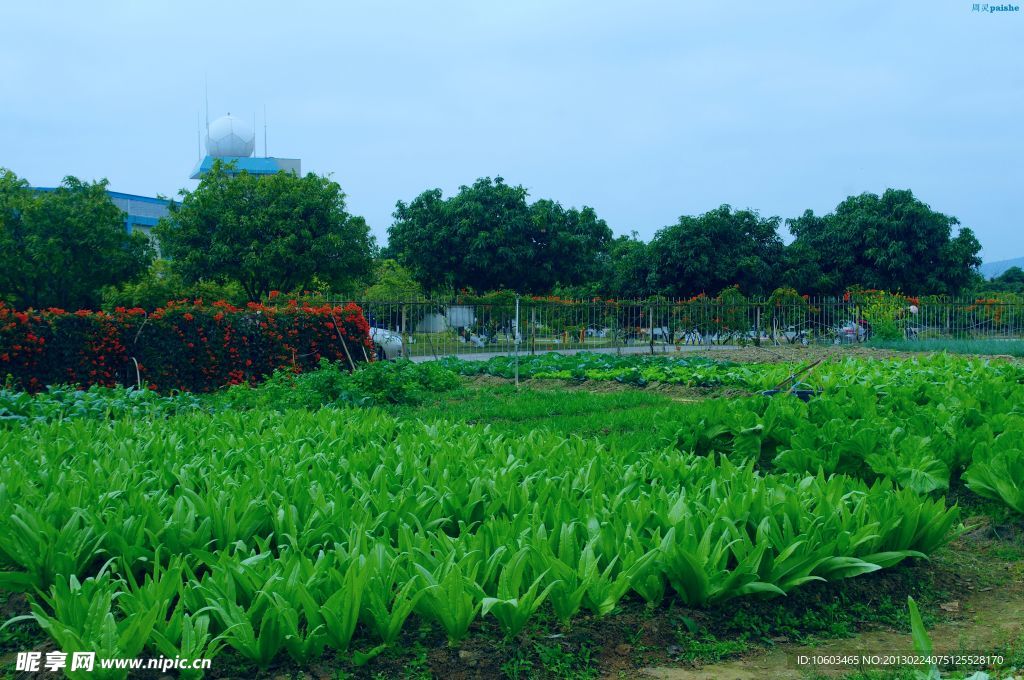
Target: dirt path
(984,622)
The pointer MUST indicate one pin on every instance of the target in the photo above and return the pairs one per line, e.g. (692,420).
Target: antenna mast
(206,88)
(265,131)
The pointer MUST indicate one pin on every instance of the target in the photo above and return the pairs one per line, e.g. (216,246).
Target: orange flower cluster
(996,311)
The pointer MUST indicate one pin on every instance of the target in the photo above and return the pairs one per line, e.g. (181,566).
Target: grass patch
(634,418)
(1011,347)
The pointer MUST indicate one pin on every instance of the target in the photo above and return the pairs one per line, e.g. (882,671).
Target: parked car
(387,344)
(853,331)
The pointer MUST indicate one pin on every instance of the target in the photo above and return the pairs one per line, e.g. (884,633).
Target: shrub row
(184,345)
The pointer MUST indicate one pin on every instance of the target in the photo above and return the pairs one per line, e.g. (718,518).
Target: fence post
(406,337)
(617,330)
(533,329)
(650,312)
(515,340)
(757,326)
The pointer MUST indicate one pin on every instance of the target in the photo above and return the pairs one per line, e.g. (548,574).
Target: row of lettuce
(379,383)
(341,528)
(631,369)
(923,423)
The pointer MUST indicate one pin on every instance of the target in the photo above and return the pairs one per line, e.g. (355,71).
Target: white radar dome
(230,136)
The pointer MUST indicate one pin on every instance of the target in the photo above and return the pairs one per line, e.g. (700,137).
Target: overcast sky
(643,110)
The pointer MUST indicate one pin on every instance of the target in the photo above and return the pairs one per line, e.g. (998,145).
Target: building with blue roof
(231,140)
(141,213)
(253,165)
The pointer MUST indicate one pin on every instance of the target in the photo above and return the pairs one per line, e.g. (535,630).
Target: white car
(387,344)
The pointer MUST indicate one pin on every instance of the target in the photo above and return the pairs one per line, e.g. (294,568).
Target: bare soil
(797,353)
(985,621)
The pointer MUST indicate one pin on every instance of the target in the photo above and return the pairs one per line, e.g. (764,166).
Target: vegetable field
(235,529)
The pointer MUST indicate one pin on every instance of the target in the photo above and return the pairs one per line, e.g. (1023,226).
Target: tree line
(488,236)
(241,236)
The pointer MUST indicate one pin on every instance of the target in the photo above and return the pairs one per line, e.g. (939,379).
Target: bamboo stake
(344,345)
(138,375)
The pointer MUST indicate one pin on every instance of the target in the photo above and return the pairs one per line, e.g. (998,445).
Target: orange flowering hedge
(185,345)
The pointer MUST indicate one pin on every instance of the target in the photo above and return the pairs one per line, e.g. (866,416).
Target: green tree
(716,250)
(161,284)
(1013,276)
(626,269)
(569,245)
(59,248)
(267,232)
(476,239)
(1010,281)
(806,256)
(889,242)
(392,283)
(487,237)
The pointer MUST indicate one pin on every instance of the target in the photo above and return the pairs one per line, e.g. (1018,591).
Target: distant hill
(993,269)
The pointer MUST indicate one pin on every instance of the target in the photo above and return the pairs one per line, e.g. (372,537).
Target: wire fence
(453,327)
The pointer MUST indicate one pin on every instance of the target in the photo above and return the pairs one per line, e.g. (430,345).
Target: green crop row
(920,423)
(633,369)
(284,533)
(60,402)
(378,383)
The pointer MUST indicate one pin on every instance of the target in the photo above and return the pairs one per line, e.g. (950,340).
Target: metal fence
(458,327)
